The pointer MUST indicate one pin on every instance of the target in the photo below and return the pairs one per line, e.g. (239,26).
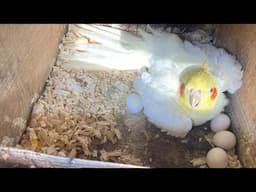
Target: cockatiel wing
(111,48)
(225,67)
(168,46)
(161,109)
(170,56)
(108,49)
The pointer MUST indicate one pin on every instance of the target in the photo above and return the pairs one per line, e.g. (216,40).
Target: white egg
(217,158)
(134,103)
(220,123)
(224,139)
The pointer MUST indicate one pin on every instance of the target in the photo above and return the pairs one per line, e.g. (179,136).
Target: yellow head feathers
(198,89)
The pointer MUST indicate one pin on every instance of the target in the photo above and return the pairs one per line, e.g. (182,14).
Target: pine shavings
(209,138)
(119,155)
(76,114)
(198,161)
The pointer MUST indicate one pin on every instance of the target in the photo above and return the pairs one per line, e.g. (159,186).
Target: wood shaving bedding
(66,123)
(76,114)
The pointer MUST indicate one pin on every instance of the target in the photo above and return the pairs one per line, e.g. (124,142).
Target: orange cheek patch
(214,93)
(182,87)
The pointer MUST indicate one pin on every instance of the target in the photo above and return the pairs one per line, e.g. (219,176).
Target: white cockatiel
(180,84)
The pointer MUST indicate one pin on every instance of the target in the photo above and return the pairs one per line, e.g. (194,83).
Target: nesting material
(7,142)
(233,161)
(119,156)
(197,162)
(76,114)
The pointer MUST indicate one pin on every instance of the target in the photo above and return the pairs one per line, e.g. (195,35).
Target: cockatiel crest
(184,83)
(198,93)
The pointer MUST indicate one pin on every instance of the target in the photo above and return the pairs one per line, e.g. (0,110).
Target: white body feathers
(166,56)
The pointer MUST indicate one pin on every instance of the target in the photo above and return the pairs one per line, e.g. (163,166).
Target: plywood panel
(26,53)
(240,39)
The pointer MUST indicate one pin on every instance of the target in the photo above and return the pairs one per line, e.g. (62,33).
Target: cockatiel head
(198,89)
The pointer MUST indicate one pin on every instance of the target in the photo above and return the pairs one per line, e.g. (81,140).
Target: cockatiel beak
(194,98)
